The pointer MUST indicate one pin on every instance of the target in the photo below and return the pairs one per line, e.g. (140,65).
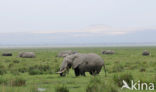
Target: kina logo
(138,86)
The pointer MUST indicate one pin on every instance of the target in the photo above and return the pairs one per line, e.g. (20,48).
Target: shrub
(61,89)
(3,80)
(23,70)
(119,79)
(7,60)
(16,61)
(96,85)
(33,89)
(18,82)
(2,70)
(56,67)
(10,65)
(117,68)
(132,67)
(14,72)
(35,72)
(142,70)
(39,69)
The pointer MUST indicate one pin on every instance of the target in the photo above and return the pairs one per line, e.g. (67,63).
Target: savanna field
(39,74)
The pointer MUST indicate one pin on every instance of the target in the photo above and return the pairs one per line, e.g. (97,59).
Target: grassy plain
(125,60)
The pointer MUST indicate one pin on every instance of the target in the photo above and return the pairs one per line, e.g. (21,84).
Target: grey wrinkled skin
(108,52)
(66,53)
(27,55)
(146,53)
(7,54)
(82,63)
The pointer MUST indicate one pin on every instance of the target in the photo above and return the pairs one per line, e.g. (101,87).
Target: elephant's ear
(76,62)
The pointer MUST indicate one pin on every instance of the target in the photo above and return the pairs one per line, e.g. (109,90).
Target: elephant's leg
(94,72)
(98,70)
(83,74)
(77,71)
(91,73)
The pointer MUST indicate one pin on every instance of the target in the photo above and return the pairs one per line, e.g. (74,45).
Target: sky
(77,21)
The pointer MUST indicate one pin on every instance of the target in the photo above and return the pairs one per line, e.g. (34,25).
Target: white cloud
(97,29)
(106,30)
(91,31)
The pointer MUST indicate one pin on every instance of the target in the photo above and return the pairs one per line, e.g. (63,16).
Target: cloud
(105,30)
(100,30)
(97,30)
(80,37)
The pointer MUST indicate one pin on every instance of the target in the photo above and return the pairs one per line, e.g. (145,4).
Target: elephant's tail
(105,70)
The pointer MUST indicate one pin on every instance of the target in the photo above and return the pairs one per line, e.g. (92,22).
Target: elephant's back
(94,59)
(27,54)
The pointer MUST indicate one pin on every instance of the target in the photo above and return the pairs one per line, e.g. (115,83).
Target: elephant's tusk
(61,71)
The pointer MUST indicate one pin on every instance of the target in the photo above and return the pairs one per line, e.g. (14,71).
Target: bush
(40,69)
(18,82)
(117,68)
(2,70)
(14,72)
(119,79)
(142,70)
(56,68)
(3,80)
(35,72)
(7,60)
(16,61)
(23,70)
(10,65)
(33,89)
(96,85)
(61,89)
(132,67)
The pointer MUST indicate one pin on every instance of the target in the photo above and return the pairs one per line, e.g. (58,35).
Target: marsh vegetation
(39,73)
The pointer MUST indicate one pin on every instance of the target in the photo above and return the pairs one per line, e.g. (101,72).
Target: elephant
(82,63)
(146,53)
(7,54)
(66,53)
(108,52)
(27,55)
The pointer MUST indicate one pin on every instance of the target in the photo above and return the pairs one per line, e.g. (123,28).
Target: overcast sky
(77,21)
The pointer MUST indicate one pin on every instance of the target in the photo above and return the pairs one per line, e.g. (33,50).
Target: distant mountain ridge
(21,39)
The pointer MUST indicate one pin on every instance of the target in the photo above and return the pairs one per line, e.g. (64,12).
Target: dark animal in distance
(82,63)
(7,54)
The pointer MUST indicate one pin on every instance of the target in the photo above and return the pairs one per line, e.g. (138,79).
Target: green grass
(125,59)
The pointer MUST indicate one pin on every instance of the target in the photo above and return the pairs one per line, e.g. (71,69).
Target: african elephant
(82,63)
(146,53)
(108,52)
(27,55)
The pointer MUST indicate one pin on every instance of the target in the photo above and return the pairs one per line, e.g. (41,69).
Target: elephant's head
(67,63)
